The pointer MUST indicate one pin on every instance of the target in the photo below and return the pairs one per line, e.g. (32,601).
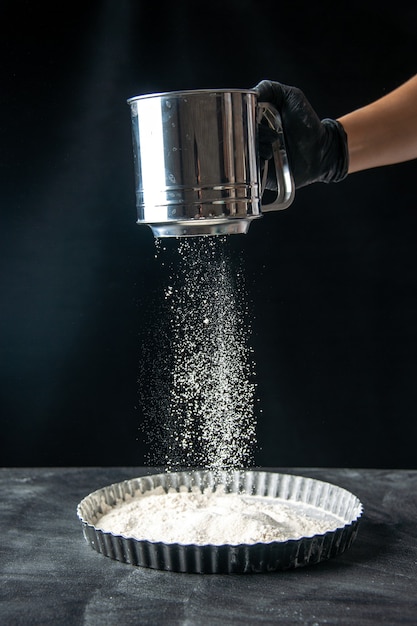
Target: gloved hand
(317,150)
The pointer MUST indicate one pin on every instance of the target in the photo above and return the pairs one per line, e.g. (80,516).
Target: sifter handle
(284,180)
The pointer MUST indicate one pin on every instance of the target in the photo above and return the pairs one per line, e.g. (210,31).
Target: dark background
(332,281)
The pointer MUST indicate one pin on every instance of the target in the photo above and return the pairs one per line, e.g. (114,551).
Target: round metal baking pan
(327,499)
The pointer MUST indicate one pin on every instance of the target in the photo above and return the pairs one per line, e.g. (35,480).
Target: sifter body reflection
(196,161)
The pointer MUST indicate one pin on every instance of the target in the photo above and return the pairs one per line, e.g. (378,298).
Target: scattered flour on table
(212,518)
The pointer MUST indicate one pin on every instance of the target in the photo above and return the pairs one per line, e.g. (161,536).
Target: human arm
(385,131)
(381,133)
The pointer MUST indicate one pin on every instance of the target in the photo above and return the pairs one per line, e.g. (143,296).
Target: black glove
(317,150)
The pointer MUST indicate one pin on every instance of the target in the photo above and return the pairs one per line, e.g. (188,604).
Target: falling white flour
(213,518)
(197,385)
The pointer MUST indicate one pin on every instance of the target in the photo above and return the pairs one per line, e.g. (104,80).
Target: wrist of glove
(317,149)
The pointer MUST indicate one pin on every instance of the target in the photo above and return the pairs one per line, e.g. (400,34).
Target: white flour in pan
(213,518)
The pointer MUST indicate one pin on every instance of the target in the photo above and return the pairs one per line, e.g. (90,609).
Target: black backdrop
(332,281)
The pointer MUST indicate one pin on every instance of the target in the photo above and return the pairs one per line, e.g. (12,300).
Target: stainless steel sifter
(197,165)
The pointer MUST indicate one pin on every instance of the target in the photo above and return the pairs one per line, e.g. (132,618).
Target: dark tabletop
(49,575)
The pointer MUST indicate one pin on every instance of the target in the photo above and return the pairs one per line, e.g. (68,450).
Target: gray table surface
(49,575)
